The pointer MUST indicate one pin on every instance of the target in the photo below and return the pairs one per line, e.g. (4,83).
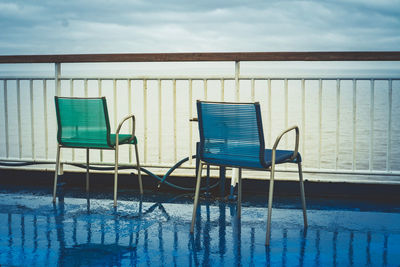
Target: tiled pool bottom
(89,232)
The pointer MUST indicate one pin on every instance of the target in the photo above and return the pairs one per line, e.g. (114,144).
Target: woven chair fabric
(84,122)
(231,134)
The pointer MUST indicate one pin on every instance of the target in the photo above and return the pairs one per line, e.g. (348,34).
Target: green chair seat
(123,139)
(98,143)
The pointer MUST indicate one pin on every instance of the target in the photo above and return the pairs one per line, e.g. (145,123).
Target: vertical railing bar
(85,86)
(129,81)
(252,90)
(19,118)
(71,87)
(389,134)
(319,123)
(205,89)
(237,92)
(72,93)
(190,123)
(145,118)
(286,92)
(32,119)
(303,116)
(372,118)
(6,117)
(99,87)
(86,90)
(354,122)
(269,113)
(115,103)
(57,83)
(174,114)
(46,130)
(159,121)
(222,90)
(100,91)
(57,79)
(237,82)
(337,123)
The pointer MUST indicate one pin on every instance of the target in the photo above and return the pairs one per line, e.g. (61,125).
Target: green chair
(84,123)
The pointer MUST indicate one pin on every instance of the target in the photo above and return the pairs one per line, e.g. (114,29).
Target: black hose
(162,180)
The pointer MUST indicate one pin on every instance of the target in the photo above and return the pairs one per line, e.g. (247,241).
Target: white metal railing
(346,128)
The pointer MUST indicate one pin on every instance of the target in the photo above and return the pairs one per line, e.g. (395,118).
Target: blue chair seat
(282,156)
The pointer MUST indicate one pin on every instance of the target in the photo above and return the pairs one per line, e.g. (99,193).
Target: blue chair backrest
(231,131)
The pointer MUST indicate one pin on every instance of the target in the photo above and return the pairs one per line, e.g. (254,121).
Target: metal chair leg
(56,173)
(270,197)
(138,169)
(302,194)
(87,170)
(196,197)
(116,173)
(239,200)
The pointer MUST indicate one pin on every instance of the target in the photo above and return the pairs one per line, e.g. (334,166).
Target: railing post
(6,117)
(371,126)
(57,84)
(389,130)
(190,123)
(115,103)
(57,78)
(174,120)
(145,137)
(337,123)
(160,121)
(235,171)
(19,118)
(354,167)
(32,119)
(237,84)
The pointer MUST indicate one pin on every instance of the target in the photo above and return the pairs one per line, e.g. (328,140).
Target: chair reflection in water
(231,135)
(102,237)
(84,123)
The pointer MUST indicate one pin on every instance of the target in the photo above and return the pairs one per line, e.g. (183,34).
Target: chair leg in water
(302,195)
(270,198)
(239,200)
(56,173)
(196,197)
(138,170)
(87,170)
(116,173)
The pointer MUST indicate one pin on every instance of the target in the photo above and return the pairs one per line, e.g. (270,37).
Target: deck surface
(154,231)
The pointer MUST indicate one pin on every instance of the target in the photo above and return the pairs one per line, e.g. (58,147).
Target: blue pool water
(154,231)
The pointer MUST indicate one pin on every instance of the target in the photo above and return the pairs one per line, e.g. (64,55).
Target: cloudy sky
(136,26)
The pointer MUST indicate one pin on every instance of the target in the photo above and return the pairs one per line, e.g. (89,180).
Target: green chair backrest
(82,122)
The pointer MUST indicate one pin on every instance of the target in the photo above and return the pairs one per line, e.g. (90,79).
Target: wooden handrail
(219,56)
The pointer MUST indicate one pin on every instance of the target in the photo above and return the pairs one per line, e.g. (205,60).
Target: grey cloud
(176,25)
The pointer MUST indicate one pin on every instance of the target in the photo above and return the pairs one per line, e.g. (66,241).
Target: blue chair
(231,135)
